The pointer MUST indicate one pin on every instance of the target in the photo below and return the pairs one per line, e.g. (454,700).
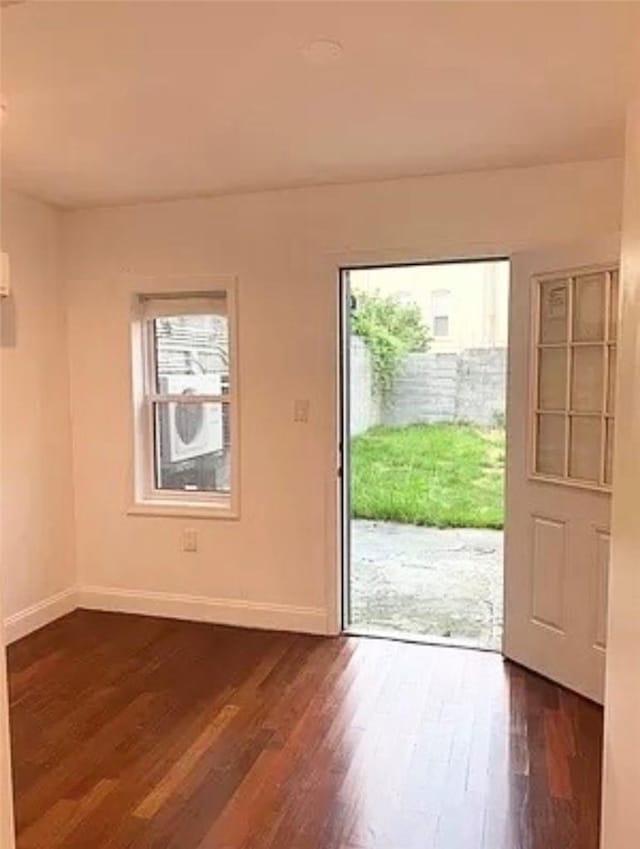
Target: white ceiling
(123,101)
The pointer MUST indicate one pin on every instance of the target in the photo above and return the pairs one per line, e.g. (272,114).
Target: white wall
(276,564)
(36,544)
(37,568)
(621,819)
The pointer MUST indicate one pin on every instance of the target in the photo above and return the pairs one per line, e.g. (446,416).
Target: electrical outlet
(189,539)
(301,410)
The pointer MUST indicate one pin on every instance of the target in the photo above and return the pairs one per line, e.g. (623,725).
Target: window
(440,309)
(576,319)
(185,403)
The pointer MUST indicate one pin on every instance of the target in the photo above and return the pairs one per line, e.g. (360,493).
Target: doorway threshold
(422,639)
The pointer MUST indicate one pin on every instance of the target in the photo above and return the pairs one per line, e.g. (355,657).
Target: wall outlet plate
(301,410)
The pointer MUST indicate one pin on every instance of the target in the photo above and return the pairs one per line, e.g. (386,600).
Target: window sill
(222,509)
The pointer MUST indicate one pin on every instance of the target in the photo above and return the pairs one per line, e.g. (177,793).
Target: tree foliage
(391,330)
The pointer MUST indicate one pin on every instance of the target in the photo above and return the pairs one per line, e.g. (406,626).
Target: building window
(576,322)
(440,310)
(185,401)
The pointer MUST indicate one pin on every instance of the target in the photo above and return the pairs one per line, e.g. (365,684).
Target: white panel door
(560,421)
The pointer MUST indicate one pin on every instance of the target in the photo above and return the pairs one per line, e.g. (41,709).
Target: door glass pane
(584,448)
(192,447)
(586,379)
(589,307)
(550,445)
(553,310)
(552,392)
(608,464)
(611,385)
(614,308)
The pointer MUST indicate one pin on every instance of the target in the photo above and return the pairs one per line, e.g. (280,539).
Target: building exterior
(464,305)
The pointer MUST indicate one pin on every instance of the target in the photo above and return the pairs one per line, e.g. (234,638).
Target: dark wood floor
(132,732)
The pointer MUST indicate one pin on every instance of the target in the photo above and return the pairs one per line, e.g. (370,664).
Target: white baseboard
(244,614)
(40,614)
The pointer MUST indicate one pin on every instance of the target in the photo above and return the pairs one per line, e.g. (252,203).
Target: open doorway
(424,352)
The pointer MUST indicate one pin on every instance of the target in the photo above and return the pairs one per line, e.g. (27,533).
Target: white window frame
(607,345)
(148,499)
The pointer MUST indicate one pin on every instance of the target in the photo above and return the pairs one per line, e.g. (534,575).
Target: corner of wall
(38,534)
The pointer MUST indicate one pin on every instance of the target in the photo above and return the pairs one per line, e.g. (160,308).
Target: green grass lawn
(443,475)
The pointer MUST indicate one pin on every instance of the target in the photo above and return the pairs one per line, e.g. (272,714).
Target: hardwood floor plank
(131,732)
(63,817)
(181,769)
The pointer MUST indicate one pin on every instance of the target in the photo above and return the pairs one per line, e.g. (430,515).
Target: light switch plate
(189,540)
(4,275)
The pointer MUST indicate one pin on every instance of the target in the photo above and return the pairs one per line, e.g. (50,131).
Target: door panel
(548,572)
(557,533)
(601,588)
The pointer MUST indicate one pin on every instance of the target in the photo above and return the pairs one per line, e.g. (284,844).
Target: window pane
(192,354)
(550,445)
(192,447)
(608,462)
(588,307)
(553,310)
(587,377)
(584,448)
(441,325)
(614,308)
(552,393)
(611,385)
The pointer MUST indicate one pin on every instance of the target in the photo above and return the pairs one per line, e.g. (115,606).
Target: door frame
(343,446)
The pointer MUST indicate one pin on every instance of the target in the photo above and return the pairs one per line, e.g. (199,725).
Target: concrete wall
(364,405)
(482,386)
(424,390)
(469,386)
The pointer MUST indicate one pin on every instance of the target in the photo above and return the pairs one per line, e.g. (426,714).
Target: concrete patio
(426,581)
